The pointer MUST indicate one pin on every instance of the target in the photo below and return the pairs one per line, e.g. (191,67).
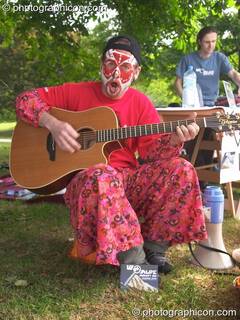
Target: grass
(4,151)
(34,243)
(6,129)
(6,126)
(5,132)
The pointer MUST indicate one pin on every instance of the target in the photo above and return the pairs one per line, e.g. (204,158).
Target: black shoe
(158,259)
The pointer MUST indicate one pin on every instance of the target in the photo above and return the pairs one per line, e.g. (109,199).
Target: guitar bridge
(51,147)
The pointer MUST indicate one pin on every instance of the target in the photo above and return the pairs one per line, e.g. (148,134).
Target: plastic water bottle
(190,98)
(200,96)
(213,198)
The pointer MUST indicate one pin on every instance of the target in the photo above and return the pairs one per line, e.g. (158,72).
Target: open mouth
(114,87)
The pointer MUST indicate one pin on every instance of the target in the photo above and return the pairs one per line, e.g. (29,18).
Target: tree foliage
(56,46)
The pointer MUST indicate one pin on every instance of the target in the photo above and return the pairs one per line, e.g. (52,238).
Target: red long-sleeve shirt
(134,108)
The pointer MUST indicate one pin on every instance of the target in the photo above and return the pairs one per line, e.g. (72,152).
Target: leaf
(21,283)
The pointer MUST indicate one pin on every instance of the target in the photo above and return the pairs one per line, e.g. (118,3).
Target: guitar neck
(143,130)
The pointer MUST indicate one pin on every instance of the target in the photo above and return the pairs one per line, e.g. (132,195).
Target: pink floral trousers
(114,210)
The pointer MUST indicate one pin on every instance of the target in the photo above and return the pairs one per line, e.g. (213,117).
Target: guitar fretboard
(143,130)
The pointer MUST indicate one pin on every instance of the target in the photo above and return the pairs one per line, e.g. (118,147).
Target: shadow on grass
(6,134)
(34,245)
(35,240)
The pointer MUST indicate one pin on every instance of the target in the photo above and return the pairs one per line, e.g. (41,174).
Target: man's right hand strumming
(63,133)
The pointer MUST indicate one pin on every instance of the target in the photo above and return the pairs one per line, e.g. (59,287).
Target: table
(207,173)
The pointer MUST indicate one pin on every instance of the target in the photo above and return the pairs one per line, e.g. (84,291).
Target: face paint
(117,72)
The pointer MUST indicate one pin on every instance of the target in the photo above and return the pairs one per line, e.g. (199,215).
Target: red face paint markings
(117,72)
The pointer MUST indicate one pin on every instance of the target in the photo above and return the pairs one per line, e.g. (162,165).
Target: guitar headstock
(224,122)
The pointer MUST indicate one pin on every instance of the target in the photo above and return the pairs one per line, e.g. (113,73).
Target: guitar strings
(211,121)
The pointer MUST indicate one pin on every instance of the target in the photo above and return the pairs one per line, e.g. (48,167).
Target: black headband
(126,43)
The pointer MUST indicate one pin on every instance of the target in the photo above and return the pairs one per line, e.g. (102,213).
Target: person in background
(208,65)
(122,211)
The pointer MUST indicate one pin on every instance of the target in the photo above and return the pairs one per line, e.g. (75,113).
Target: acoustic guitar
(38,164)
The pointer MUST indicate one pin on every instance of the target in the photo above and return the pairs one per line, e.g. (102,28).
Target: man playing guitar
(123,211)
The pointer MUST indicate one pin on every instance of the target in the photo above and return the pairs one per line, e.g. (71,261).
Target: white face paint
(117,72)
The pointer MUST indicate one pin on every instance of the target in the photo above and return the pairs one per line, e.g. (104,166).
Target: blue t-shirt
(208,73)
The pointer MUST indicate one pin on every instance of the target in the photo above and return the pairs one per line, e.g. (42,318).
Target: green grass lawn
(34,243)
(5,133)
(4,151)
(5,126)
(6,129)
(35,240)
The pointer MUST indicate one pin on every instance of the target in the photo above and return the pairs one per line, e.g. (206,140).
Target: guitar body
(36,168)
(37,164)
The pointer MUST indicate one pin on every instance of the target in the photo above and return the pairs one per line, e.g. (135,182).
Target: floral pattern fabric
(113,210)
(29,107)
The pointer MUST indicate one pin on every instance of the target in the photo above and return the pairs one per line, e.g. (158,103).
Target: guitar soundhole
(87,138)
